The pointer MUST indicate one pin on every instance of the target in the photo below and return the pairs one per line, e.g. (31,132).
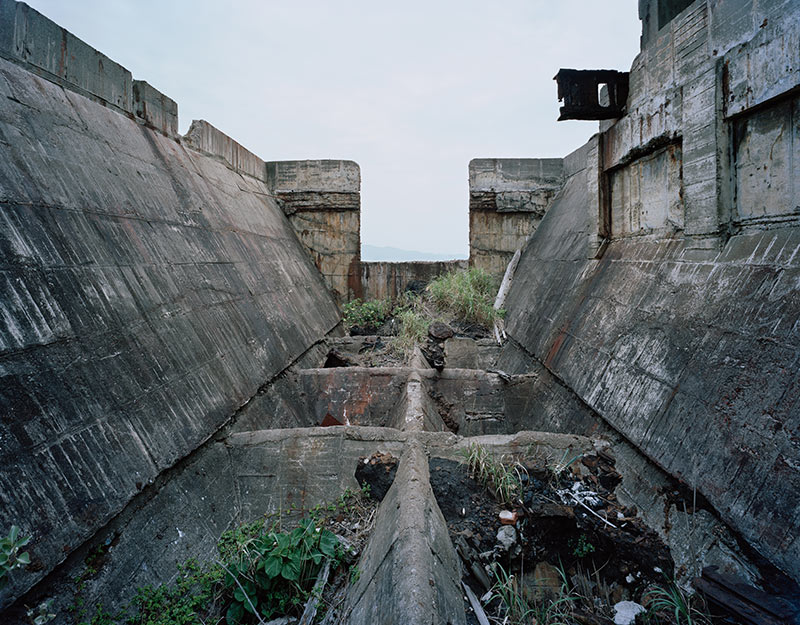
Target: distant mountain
(371,253)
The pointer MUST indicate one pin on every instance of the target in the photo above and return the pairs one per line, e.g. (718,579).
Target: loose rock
(625,612)
(507,537)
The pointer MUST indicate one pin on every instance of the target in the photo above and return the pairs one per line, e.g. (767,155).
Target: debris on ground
(561,539)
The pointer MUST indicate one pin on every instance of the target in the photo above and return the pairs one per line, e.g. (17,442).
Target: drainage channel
(446,533)
(590,524)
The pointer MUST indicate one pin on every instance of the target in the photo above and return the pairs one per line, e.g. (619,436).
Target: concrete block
(316,175)
(29,38)
(203,137)
(514,174)
(155,109)
(507,200)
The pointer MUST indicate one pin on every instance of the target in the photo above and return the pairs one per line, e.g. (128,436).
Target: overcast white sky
(410,90)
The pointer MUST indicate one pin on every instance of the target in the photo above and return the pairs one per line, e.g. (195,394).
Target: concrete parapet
(507,200)
(42,46)
(388,280)
(155,109)
(326,176)
(204,138)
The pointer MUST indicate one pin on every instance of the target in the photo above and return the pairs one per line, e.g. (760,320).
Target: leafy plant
(193,592)
(275,572)
(11,556)
(41,614)
(371,313)
(468,295)
(582,547)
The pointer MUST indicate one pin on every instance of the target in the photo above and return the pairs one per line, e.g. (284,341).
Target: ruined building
(167,302)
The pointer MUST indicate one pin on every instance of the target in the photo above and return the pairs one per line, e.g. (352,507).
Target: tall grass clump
(467,295)
(413,322)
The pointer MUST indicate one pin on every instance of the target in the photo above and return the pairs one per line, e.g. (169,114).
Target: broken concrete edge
(23,587)
(44,48)
(206,139)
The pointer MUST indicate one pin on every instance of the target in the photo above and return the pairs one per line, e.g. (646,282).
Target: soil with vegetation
(459,303)
(281,565)
(545,540)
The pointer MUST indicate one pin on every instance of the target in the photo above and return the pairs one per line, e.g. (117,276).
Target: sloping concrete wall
(674,314)
(147,291)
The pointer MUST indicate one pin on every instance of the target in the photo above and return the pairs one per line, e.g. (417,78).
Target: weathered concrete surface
(410,573)
(42,46)
(388,281)
(322,199)
(688,345)
(466,353)
(696,362)
(146,293)
(416,412)
(349,395)
(645,196)
(507,198)
(766,149)
(233,480)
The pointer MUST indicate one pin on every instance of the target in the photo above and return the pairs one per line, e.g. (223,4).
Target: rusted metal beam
(580,92)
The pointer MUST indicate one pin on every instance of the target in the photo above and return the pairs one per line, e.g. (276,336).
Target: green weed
(371,313)
(11,555)
(670,603)
(519,610)
(503,479)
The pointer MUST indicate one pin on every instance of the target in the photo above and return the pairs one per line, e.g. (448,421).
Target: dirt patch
(564,530)
(377,472)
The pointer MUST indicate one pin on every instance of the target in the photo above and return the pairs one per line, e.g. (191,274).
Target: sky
(412,90)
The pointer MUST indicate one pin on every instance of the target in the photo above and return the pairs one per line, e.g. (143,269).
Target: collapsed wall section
(147,290)
(662,284)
